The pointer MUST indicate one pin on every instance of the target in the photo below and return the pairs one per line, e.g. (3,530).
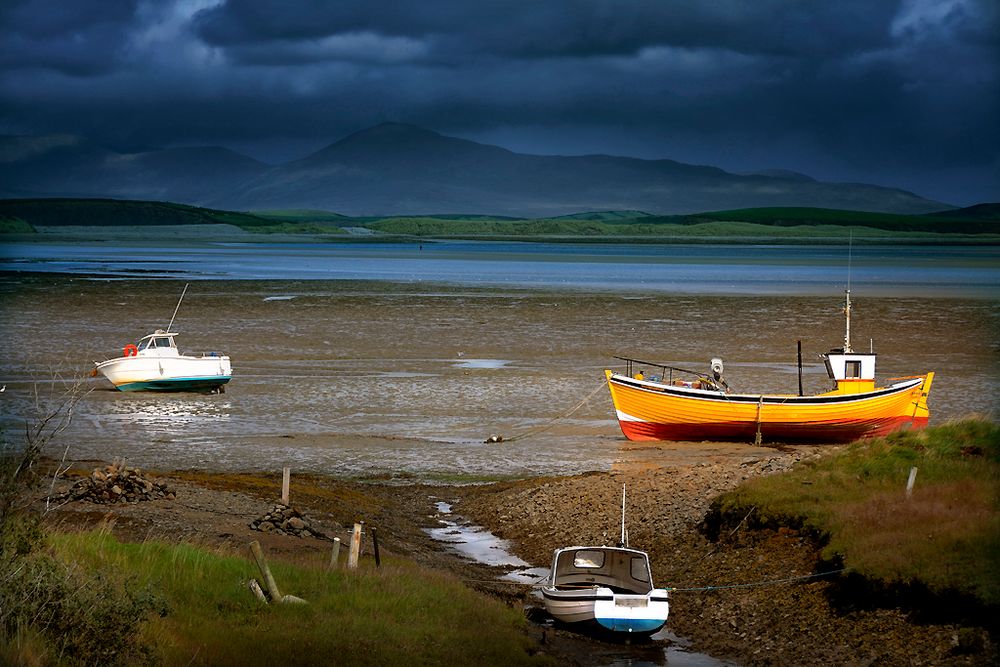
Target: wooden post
(286,475)
(378,561)
(335,555)
(909,482)
(265,571)
(257,591)
(355,552)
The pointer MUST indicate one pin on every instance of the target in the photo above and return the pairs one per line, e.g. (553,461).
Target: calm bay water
(692,269)
(371,359)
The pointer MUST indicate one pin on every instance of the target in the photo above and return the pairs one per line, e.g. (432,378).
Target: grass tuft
(944,535)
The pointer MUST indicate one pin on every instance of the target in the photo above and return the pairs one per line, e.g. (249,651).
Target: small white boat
(155,364)
(607,589)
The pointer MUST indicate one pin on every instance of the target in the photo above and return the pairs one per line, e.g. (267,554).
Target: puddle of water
(678,655)
(482,363)
(472,541)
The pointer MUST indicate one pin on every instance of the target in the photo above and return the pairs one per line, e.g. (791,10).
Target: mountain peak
(398,168)
(394,129)
(398,142)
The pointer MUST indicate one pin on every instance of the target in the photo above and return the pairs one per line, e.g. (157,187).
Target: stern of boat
(633,614)
(922,413)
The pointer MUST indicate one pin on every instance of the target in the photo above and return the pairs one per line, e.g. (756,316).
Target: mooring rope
(770,582)
(552,422)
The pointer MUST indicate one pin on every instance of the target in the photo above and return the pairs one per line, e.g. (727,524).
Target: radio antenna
(847,292)
(624,541)
(177,307)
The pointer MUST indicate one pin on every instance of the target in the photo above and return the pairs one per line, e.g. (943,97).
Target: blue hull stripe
(177,384)
(642,625)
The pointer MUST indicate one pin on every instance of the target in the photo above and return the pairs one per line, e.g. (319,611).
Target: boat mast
(847,315)
(624,535)
(177,307)
(847,292)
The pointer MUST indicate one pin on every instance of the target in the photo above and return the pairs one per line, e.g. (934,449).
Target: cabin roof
(159,333)
(636,552)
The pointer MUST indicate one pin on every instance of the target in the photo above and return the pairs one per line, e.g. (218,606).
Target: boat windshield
(143,344)
(587,559)
(628,569)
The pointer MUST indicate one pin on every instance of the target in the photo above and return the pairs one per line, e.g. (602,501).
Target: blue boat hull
(178,384)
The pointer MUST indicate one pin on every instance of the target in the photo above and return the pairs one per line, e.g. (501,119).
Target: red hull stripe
(796,432)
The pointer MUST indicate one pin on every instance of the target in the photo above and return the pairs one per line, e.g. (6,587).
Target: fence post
(335,555)
(272,586)
(909,482)
(355,552)
(286,475)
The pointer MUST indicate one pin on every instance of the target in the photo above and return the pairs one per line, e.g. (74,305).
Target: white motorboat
(606,588)
(155,364)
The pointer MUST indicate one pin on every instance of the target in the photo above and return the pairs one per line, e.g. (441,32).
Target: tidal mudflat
(370,378)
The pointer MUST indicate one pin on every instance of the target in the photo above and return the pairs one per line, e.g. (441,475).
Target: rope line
(771,582)
(552,422)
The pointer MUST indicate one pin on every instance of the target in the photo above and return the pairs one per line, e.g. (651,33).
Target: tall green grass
(945,535)
(396,615)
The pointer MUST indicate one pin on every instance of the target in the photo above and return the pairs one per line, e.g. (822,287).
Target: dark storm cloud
(896,92)
(562,27)
(79,38)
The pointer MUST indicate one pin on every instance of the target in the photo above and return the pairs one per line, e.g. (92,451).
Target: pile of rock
(117,483)
(285,520)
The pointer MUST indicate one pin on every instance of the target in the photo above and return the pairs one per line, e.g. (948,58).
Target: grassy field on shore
(181,604)
(944,535)
(978,224)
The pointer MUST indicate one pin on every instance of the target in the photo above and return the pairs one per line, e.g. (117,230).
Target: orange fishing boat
(697,406)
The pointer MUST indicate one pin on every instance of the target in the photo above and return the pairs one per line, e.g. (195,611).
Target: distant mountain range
(395,169)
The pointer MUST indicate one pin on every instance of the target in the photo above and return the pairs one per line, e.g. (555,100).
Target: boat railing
(666,372)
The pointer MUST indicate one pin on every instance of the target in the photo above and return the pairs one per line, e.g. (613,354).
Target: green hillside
(978,211)
(976,224)
(775,223)
(128,213)
(946,222)
(300,215)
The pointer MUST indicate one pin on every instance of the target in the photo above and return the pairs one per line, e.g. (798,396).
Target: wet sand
(376,379)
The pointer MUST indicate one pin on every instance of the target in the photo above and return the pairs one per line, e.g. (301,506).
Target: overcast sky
(902,93)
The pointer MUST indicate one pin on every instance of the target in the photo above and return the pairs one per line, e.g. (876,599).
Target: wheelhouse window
(640,571)
(852,369)
(588,559)
(143,344)
(162,342)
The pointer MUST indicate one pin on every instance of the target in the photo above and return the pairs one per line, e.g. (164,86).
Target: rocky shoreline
(734,613)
